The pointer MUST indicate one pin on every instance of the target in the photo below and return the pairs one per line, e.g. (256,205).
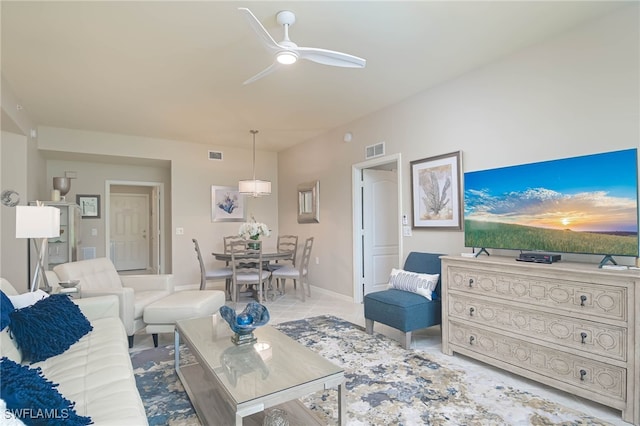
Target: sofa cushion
(20,301)
(6,307)
(96,373)
(422,284)
(48,327)
(33,398)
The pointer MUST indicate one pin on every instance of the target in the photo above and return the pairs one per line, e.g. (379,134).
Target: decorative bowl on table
(68,284)
(253,316)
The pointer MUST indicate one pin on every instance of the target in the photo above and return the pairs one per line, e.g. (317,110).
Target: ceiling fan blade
(330,57)
(262,33)
(271,68)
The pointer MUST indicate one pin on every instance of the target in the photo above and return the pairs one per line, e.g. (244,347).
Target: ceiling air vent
(215,155)
(374,150)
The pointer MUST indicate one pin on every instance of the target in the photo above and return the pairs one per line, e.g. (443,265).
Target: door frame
(156,222)
(356,187)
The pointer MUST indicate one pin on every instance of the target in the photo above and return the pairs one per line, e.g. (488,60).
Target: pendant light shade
(254,187)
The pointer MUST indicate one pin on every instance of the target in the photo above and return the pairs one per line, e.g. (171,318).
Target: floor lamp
(38,223)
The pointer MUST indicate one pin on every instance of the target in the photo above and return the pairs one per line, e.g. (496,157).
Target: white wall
(572,95)
(21,169)
(13,251)
(189,192)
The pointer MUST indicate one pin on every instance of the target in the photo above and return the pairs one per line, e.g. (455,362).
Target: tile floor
(288,307)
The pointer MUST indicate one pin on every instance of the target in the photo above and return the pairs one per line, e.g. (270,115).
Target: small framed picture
(227,204)
(89,206)
(436,192)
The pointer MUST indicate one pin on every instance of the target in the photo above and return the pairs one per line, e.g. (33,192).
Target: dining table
(267,257)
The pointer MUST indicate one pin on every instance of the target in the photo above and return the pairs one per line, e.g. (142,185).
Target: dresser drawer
(592,376)
(600,301)
(586,336)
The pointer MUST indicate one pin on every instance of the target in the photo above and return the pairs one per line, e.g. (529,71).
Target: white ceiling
(174,70)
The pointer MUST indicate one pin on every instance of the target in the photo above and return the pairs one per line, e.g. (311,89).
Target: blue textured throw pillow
(48,327)
(35,400)
(6,307)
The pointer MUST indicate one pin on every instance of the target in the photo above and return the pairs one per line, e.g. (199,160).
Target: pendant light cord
(253,132)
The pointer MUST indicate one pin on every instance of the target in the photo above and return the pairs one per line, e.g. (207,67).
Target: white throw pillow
(27,299)
(422,284)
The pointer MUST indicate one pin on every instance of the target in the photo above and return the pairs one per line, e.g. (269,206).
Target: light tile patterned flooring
(290,307)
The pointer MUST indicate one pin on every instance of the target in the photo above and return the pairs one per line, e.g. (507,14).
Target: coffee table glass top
(252,371)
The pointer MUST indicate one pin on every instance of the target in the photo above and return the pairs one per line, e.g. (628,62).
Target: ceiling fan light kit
(287,58)
(287,52)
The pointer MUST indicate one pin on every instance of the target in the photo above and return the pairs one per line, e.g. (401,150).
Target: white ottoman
(161,316)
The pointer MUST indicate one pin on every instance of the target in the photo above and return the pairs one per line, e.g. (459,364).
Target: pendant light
(254,187)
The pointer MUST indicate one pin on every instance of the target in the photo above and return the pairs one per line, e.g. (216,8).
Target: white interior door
(129,227)
(380,227)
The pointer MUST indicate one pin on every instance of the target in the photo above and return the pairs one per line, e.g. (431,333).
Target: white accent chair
(98,277)
(298,273)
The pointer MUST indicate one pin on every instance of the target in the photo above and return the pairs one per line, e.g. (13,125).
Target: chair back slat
(203,272)
(288,243)
(247,266)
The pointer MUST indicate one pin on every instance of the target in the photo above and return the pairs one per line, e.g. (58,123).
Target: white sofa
(96,371)
(98,277)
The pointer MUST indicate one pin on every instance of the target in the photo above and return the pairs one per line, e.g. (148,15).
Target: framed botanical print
(227,204)
(436,198)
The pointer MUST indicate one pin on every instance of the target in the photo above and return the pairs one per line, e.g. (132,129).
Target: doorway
(134,225)
(377,227)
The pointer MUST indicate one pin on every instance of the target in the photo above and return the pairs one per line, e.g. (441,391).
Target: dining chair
(247,268)
(298,273)
(286,244)
(216,274)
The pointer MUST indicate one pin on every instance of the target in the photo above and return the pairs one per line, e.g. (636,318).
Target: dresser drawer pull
(471,311)
(582,374)
(471,340)
(583,299)
(583,336)
(470,282)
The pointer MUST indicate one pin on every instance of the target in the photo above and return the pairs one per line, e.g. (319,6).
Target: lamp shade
(37,222)
(254,187)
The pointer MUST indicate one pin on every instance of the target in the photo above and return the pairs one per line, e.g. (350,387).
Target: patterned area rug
(385,385)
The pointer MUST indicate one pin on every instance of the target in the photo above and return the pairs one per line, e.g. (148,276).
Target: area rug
(385,384)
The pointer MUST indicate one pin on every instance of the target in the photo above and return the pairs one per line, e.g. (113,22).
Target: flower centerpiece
(253,230)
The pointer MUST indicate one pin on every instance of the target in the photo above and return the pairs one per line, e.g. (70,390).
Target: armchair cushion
(98,277)
(48,328)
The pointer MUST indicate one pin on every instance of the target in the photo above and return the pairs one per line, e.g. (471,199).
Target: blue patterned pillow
(33,399)
(6,307)
(48,328)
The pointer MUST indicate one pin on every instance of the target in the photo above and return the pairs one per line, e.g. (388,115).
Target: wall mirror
(309,202)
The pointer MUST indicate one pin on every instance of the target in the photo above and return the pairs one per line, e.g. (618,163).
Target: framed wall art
(89,206)
(227,204)
(309,202)
(436,199)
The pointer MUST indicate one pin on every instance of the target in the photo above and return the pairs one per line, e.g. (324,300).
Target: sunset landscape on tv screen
(586,204)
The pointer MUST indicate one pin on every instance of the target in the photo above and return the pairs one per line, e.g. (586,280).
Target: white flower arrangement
(253,230)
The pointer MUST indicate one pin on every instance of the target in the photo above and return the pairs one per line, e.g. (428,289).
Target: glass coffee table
(235,384)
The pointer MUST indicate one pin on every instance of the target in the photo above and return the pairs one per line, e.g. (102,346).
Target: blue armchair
(404,310)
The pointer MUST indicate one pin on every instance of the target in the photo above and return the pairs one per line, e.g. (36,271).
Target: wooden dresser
(568,325)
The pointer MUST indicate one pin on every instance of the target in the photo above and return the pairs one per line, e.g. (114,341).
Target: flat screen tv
(586,205)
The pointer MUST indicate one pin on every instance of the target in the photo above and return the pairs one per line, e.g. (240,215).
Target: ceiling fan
(287,52)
